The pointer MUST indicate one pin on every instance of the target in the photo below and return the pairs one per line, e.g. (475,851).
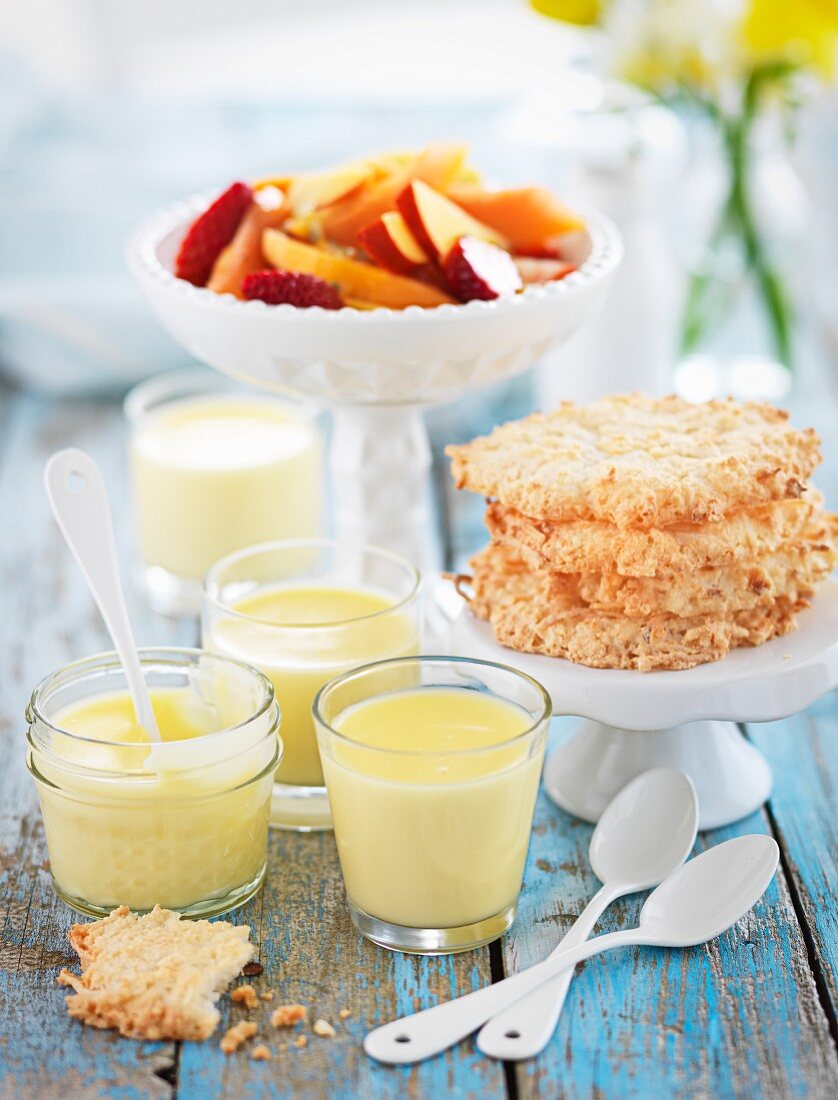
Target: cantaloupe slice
(437,166)
(243,255)
(352,278)
(529,217)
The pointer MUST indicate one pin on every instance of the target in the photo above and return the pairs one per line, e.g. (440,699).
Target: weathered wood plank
(736,1018)
(804,811)
(46,619)
(647,1026)
(312,955)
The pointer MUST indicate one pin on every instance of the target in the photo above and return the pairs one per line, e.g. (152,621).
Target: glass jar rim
(164,389)
(379,552)
(422,658)
(100,797)
(109,659)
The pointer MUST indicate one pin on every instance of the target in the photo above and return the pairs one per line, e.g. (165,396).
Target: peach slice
(528,217)
(438,223)
(390,243)
(353,278)
(532,270)
(437,166)
(318,190)
(282,183)
(243,255)
(476,269)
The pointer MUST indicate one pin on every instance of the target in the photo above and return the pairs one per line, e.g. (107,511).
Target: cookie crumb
(288,1015)
(324,1029)
(344,1013)
(301,1041)
(261,1053)
(246,994)
(268,995)
(236,1035)
(252,969)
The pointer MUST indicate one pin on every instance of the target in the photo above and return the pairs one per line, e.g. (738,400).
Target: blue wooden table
(751,1015)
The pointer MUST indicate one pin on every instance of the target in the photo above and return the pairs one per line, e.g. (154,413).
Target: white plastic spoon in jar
(645,832)
(79,503)
(696,903)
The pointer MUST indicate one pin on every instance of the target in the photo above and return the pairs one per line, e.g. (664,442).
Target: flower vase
(749,207)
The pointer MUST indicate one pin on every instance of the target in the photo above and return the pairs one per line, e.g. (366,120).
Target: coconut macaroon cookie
(592,545)
(646,533)
(154,976)
(642,461)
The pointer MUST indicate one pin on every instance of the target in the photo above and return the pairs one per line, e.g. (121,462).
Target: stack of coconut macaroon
(646,533)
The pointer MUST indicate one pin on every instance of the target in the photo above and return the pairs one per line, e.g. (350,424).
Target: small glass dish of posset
(432,767)
(181,823)
(215,466)
(303,611)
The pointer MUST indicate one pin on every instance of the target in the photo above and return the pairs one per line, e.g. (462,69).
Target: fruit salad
(392,231)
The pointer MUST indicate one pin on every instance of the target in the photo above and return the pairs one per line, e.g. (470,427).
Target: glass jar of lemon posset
(432,766)
(183,822)
(215,467)
(303,611)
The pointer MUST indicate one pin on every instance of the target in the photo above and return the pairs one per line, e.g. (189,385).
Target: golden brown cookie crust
(590,546)
(543,613)
(156,976)
(797,569)
(639,461)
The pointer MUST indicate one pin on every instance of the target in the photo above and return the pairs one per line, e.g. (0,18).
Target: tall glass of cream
(304,611)
(181,823)
(432,766)
(215,467)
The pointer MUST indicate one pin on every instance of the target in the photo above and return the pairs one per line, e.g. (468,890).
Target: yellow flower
(585,13)
(667,46)
(799,30)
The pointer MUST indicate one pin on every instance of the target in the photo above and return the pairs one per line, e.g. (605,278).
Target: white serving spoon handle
(79,503)
(413,1038)
(526,1027)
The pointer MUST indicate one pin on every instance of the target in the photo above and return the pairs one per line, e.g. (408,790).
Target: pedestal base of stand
(732,779)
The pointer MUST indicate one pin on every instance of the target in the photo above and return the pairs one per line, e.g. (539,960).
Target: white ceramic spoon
(644,833)
(698,901)
(79,502)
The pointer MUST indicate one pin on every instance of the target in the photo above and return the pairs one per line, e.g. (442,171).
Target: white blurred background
(110,109)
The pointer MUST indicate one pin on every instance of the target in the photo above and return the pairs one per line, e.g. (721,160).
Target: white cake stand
(635,720)
(375,370)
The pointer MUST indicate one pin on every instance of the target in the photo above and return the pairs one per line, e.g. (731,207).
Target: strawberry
(277,286)
(477,269)
(211,232)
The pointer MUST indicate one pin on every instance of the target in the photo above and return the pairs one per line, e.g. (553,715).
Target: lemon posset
(180,823)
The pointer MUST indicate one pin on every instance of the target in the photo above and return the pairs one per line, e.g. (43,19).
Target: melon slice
(352,278)
(243,255)
(529,217)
